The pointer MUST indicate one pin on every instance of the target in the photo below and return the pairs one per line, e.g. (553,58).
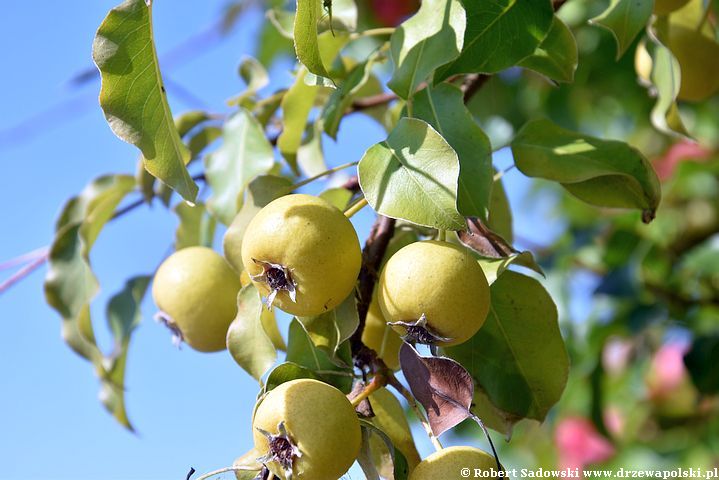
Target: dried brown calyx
(278,278)
(420,332)
(282,449)
(165,319)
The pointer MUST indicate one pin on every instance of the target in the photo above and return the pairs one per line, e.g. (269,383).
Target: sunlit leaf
(196,226)
(310,156)
(261,191)
(390,417)
(604,173)
(443,108)
(247,340)
(625,19)
(329,330)
(296,106)
(518,357)
(245,153)
(432,37)
(499,34)
(133,95)
(413,176)
(123,316)
(302,351)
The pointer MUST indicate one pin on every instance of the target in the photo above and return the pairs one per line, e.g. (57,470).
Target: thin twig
(23,272)
(372,255)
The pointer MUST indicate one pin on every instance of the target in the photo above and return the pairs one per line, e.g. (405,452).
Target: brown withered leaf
(441,385)
(484,241)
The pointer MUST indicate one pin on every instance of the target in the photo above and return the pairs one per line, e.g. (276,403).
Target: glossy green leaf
(330,329)
(196,226)
(123,316)
(330,46)
(305,36)
(261,191)
(604,173)
(625,19)
(499,34)
(413,176)
(443,108)
(133,95)
(247,340)
(378,456)
(302,351)
(518,357)
(432,37)
(296,106)
(556,57)
(245,153)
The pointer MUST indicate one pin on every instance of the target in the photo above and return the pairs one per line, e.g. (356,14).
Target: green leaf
(378,455)
(443,108)
(310,156)
(70,283)
(330,46)
(261,191)
(255,77)
(123,316)
(499,34)
(247,340)
(390,418)
(625,19)
(302,351)
(556,57)
(296,106)
(518,357)
(196,226)
(413,176)
(330,330)
(494,267)
(666,78)
(339,197)
(341,98)
(432,37)
(133,95)
(305,36)
(286,372)
(604,173)
(189,120)
(245,153)
(500,213)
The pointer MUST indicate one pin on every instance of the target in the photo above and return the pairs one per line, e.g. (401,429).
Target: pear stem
(378,381)
(356,207)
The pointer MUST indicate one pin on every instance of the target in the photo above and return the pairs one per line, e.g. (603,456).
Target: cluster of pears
(303,255)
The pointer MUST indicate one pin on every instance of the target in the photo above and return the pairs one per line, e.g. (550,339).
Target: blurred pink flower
(667,371)
(579,444)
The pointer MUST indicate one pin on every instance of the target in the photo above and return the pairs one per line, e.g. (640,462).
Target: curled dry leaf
(441,385)
(484,241)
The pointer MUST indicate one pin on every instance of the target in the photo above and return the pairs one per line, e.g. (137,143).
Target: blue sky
(190,409)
